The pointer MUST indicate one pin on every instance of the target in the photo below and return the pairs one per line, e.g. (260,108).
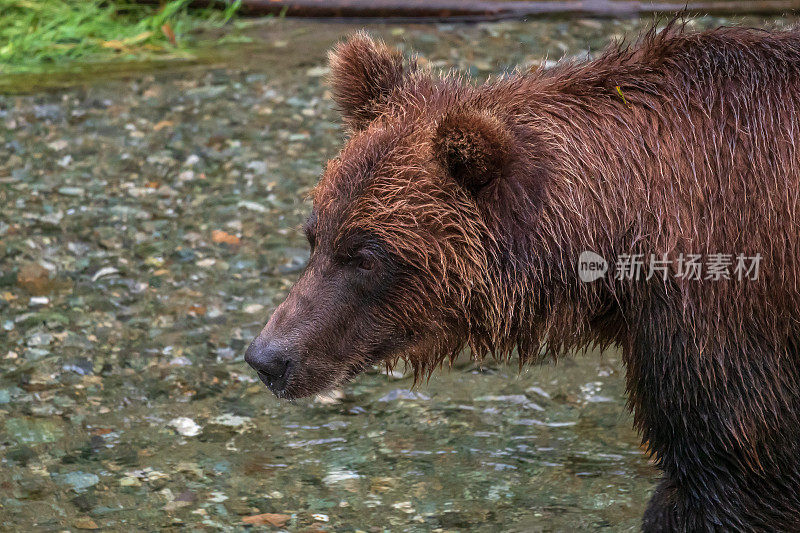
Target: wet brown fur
(484,196)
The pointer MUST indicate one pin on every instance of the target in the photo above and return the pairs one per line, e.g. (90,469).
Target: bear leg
(660,516)
(722,423)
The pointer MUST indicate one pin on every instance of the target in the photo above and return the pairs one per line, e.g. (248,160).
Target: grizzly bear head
(406,231)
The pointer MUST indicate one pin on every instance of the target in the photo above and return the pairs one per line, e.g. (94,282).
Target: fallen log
(495,10)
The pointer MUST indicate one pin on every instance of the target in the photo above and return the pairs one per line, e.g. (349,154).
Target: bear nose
(272,363)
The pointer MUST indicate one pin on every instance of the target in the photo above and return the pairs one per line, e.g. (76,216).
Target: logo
(591,266)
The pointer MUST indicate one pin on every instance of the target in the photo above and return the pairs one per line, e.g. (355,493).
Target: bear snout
(272,362)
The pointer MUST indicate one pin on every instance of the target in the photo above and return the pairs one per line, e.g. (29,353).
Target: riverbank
(55,35)
(55,43)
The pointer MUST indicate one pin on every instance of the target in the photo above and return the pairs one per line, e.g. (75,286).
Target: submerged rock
(185,426)
(32,430)
(80,480)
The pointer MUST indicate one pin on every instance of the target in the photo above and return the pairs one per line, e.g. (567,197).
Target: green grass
(37,34)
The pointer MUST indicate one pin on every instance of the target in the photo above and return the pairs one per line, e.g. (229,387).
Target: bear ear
(363,74)
(474,147)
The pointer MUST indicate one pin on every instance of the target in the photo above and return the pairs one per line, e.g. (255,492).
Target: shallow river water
(149,225)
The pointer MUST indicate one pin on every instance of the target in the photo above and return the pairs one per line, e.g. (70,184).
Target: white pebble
(185,426)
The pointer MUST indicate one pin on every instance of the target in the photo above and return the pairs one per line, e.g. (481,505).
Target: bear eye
(364,262)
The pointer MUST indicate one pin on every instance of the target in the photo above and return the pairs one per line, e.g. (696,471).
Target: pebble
(185,426)
(104,272)
(81,480)
(332,397)
(253,206)
(339,475)
(71,191)
(130,481)
(85,523)
(403,394)
(231,420)
(252,309)
(58,145)
(32,430)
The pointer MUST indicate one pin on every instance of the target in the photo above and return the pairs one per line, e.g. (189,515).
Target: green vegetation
(38,34)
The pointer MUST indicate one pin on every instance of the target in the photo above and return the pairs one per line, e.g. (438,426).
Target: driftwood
(493,10)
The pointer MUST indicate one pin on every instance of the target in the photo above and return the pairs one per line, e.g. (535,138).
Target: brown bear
(461,215)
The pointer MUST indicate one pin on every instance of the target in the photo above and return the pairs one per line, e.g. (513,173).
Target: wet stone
(32,430)
(32,488)
(5,396)
(80,481)
(403,394)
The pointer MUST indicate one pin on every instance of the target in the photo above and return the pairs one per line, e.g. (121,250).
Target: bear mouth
(294,384)
(280,386)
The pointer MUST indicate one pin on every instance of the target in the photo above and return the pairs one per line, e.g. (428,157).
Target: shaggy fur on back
(477,202)
(700,157)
